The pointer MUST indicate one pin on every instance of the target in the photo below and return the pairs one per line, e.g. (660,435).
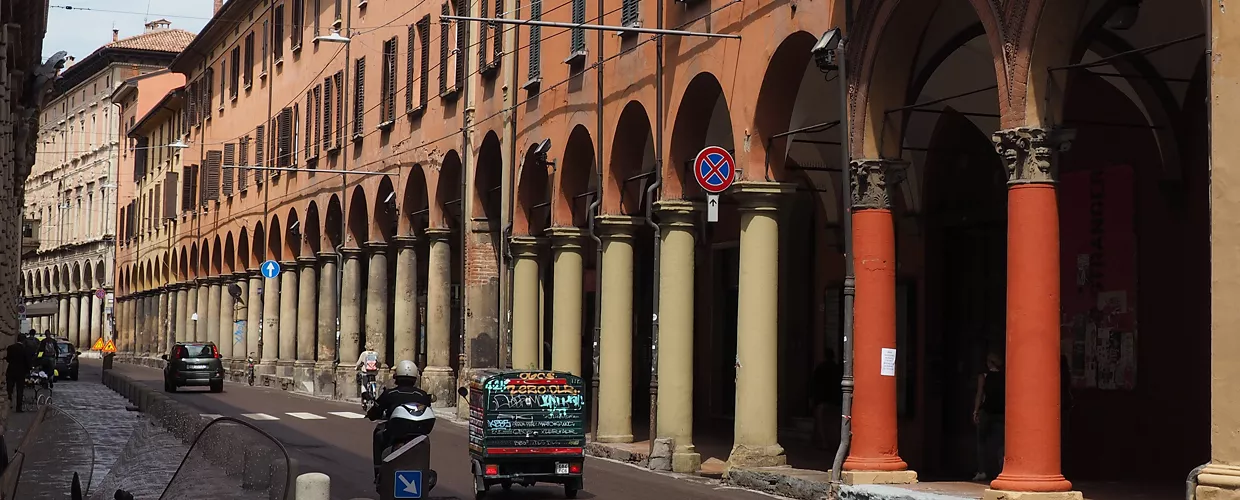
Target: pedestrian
(48,352)
(988,407)
(18,368)
(826,396)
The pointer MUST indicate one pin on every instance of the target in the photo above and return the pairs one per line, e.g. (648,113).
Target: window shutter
(249,58)
(498,38)
(235,74)
(187,188)
(243,158)
(139,158)
(359,97)
(390,66)
(409,60)
(299,23)
(482,33)
(462,43)
(424,38)
(579,34)
(266,50)
(229,168)
(260,139)
(284,148)
(191,106)
(318,117)
(277,33)
(629,12)
(535,69)
(444,33)
(210,97)
(309,130)
(327,114)
(170,195)
(338,82)
(157,203)
(214,159)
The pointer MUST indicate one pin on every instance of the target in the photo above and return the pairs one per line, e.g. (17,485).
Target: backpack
(372,361)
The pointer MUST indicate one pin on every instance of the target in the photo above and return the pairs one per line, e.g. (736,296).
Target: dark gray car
(193,364)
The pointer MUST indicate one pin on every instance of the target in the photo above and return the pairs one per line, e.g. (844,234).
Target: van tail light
(492,470)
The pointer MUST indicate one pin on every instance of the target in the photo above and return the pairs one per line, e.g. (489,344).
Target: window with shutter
(243,159)
(139,157)
(338,83)
(424,39)
(309,139)
(462,43)
(579,34)
(388,99)
(410,45)
(214,161)
(223,81)
(265,49)
(187,188)
(629,12)
(260,139)
(359,97)
(299,24)
(314,14)
(191,104)
(483,30)
(156,204)
(277,34)
(327,114)
(285,130)
(295,125)
(235,73)
(498,38)
(445,30)
(170,195)
(338,9)
(229,168)
(535,67)
(210,95)
(318,118)
(249,59)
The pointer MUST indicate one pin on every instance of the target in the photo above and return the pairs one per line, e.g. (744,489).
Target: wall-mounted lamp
(824,50)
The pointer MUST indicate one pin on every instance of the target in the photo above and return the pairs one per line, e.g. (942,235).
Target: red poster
(1099,277)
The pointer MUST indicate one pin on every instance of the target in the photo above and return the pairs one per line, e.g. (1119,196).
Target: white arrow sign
(270,269)
(411,487)
(712,208)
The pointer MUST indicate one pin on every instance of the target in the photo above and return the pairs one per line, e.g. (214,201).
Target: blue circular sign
(714,169)
(270,269)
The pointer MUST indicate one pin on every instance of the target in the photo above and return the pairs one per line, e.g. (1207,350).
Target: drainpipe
(1191,484)
(592,212)
(850,286)
(344,199)
(510,79)
(466,155)
(658,234)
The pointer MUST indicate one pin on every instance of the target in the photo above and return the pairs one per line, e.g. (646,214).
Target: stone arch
(88,276)
(690,133)
(66,278)
(359,220)
(204,257)
(243,250)
(101,274)
(230,254)
(448,192)
(258,249)
(217,256)
(333,235)
(575,178)
(415,202)
(773,111)
(487,180)
(38,280)
(76,277)
(532,196)
(275,240)
(386,217)
(184,263)
(311,229)
(193,261)
(632,154)
(52,284)
(293,235)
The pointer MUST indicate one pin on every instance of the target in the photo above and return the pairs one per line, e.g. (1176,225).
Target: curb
(782,485)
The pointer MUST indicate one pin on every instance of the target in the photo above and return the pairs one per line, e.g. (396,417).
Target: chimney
(218,5)
(116,34)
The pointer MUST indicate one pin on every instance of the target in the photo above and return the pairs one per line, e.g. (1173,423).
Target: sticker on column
(889,363)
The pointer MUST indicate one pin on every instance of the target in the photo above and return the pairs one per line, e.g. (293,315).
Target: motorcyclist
(367,369)
(405,392)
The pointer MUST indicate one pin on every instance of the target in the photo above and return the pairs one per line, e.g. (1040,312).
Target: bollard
(313,486)
(415,456)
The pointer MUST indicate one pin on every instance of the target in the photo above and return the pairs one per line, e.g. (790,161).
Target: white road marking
(211,416)
(305,416)
(347,414)
(259,416)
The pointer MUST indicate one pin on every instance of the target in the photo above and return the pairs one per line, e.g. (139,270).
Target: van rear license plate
(561,468)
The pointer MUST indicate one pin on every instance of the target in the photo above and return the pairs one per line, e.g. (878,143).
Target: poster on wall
(1099,277)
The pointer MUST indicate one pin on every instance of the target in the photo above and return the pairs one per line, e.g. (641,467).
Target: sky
(89,24)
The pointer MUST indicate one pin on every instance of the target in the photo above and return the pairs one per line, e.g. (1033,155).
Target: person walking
(19,367)
(988,407)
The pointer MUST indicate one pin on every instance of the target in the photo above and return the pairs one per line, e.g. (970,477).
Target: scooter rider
(405,392)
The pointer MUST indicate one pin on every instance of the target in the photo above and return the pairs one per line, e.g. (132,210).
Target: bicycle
(249,369)
(369,388)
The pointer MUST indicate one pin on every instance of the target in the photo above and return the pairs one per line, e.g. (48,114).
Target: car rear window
(64,348)
(196,351)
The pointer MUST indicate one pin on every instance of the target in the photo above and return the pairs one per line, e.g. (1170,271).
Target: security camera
(824,50)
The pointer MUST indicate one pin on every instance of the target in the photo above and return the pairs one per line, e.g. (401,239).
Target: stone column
(755,438)
(674,415)
(225,328)
(213,310)
(874,425)
(182,319)
(62,318)
(377,302)
(75,318)
(191,311)
(254,315)
(96,324)
(405,321)
(271,325)
(84,319)
(437,378)
(525,303)
(328,325)
(287,354)
(202,309)
(162,345)
(615,405)
(567,269)
(350,323)
(240,317)
(307,305)
(1031,460)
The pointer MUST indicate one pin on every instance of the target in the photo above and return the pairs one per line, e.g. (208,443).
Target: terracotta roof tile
(168,40)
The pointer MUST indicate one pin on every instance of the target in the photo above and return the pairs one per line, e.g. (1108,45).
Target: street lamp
(335,36)
(824,51)
(178,145)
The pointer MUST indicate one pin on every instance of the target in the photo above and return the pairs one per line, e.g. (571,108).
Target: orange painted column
(1031,460)
(874,425)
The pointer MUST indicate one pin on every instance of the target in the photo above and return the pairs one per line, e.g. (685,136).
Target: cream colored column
(191,311)
(615,411)
(327,317)
(566,294)
(307,307)
(225,330)
(677,225)
(213,310)
(287,354)
(253,315)
(377,302)
(182,312)
(62,317)
(75,318)
(525,303)
(270,339)
(203,310)
(405,319)
(240,312)
(755,441)
(350,323)
(83,332)
(162,345)
(97,319)
(438,378)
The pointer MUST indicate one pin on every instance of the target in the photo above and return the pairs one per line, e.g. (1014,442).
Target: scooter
(249,369)
(406,466)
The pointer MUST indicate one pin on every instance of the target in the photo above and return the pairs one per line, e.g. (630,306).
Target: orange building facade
(1028,178)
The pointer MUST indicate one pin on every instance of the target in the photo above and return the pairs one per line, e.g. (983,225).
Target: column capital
(761,196)
(617,227)
(240,275)
(253,272)
(307,260)
(874,181)
(1027,153)
(404,240)
(327,255)
(211,280)
(565,237)
(351,253)
(526,246)
(438,233)
(678,213)
(288,266)
(377,246)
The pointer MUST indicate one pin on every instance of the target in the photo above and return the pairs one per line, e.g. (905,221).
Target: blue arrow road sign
(270,269)
(408,484)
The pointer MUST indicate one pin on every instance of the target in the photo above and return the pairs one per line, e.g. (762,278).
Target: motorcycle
(249,369)
(407,458)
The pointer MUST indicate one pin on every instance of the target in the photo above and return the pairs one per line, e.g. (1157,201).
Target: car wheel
(217,387)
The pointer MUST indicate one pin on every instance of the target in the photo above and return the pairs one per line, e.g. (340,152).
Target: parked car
(193,364)
(67,360)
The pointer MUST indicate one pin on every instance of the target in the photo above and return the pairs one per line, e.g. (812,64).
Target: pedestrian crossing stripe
(305,416)
(259,416)
(347,414)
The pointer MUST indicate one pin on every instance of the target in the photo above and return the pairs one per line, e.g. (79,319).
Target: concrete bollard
(313,486)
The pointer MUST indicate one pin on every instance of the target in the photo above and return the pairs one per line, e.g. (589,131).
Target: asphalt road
(333,438)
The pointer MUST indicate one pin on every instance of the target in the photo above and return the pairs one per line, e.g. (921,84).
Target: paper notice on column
(889,363)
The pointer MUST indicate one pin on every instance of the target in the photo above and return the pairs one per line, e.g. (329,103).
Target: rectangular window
(284,146)
(212,185)
(243,159)
(535,69)
(170,196)
(299,24)
(139,157)
(579,34)
(327,114)
(359,97)
(210,95)
(223,81)
(388,97)
(424,41)
(229,168)
(314,14)
(629,12)
(339,8)
(235,73)
(249,59)
(277,36)
(265,49)
(445,31)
